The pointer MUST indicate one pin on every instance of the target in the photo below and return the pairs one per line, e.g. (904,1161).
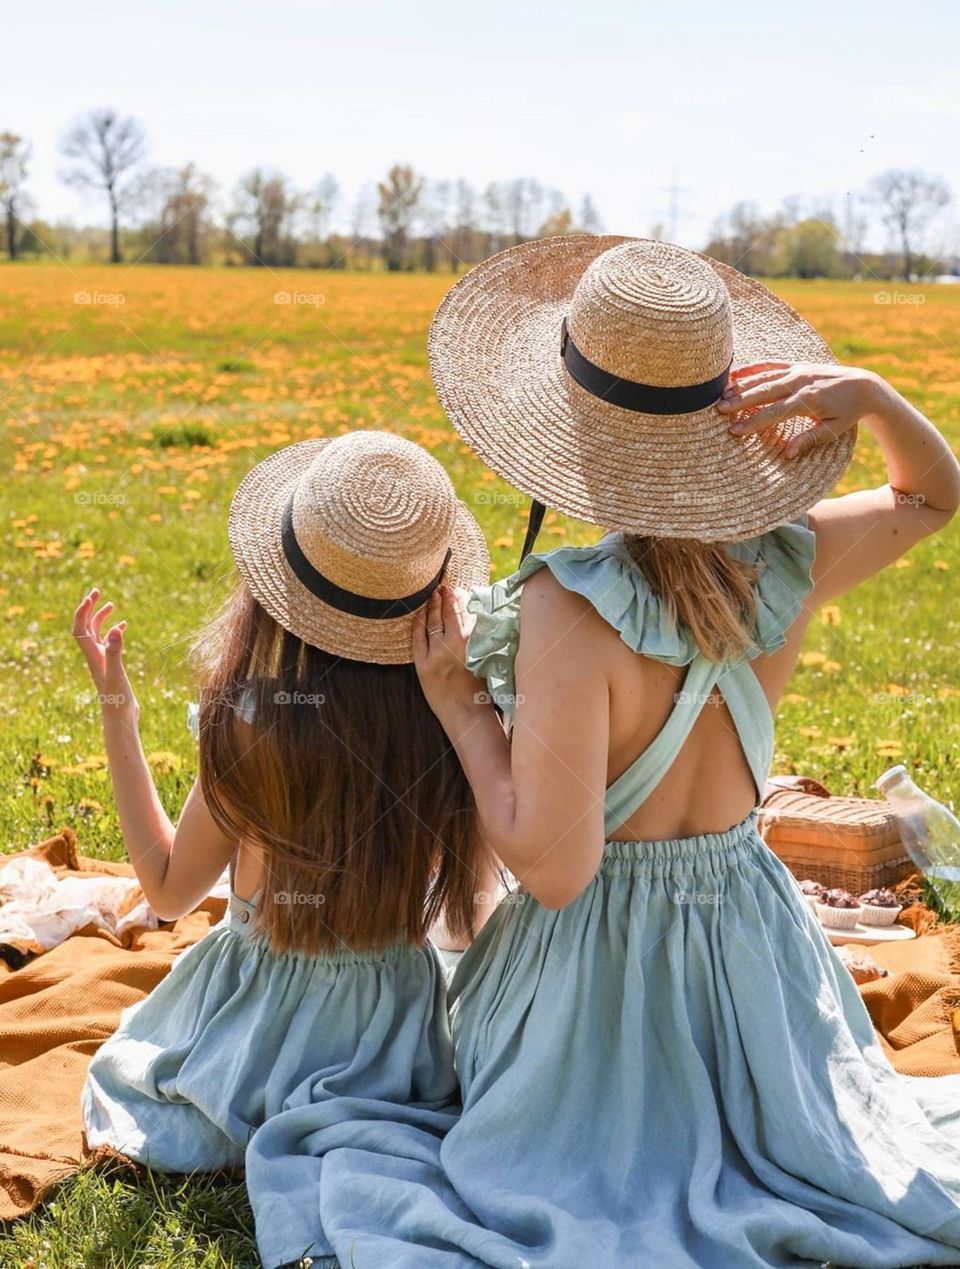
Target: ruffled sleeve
(785,558)
(608,578)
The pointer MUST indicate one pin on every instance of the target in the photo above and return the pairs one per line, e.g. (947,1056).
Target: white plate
(869,934)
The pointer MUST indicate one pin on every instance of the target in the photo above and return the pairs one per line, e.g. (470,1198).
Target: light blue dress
(676,1070)
(245,1057)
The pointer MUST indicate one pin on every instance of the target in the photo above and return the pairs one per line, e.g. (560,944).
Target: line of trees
(406,221)
(814,242)
(172,216)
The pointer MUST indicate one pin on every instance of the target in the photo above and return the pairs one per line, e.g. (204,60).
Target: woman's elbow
(166,907)
(556,893)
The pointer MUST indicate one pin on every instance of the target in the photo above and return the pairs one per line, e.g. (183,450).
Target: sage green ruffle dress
(676,1070)
(243,1056)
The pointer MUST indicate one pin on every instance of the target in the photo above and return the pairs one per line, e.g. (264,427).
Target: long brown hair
(704,588)
(339,774)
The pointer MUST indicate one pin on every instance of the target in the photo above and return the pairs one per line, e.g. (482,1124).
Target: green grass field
(133,403)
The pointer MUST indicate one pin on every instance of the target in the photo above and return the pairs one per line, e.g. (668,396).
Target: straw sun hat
(585,370)
(342,541)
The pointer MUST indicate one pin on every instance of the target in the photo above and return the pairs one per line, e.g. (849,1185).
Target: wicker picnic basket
(848,842)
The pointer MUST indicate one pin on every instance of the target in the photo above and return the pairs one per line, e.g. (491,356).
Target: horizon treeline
(407,221)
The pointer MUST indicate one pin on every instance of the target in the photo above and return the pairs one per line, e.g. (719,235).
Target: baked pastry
(880,907)
(862,966)
(812,891)
(838,909)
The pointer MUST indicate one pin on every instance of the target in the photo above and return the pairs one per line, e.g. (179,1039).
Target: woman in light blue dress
(313,1018)
(662,1060)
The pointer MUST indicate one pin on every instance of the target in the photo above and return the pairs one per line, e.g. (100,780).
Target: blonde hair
(703,588)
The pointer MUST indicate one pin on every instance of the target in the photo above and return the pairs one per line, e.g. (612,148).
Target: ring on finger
(434,630)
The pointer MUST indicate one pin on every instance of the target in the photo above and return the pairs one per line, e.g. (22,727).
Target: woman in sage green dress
(662,1060)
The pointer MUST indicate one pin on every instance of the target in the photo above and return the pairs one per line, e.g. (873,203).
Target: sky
(621,99)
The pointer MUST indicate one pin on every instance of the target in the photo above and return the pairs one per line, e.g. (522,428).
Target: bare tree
(399,195)
(463,233)
(588,218)
(321,203)
(744,238)
(14,157)
(181,232)
(908,200)
(106,148)
(263,208)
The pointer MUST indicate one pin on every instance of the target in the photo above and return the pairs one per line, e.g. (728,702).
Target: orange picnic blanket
(57,1009)
(54,1014)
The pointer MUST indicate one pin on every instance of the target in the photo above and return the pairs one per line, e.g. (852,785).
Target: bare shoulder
(561,621)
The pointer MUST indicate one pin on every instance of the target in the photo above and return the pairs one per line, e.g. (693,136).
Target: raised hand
(104,657)
(834,397)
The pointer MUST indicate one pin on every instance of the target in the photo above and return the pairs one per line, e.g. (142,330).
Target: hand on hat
(834,397)
(440,632)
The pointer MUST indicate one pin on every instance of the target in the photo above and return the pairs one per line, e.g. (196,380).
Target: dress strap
(750,710)
(631,789)
(752,717)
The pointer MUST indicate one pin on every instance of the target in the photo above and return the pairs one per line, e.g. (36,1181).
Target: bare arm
(860,533)
(540,798)
(176,867)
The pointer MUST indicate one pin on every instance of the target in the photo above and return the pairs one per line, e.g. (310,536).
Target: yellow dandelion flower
(830,616)
(813,658)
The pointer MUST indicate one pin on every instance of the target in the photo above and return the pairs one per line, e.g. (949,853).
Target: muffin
(880,907)
(812,891)
(838,909)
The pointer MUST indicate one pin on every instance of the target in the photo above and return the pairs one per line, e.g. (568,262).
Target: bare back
(709,786)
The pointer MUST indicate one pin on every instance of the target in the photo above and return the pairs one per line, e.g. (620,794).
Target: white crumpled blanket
(38,908)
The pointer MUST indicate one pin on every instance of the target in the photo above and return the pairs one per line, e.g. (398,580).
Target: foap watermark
(109,299)
(692,498)
(112,700)
(698,898)
(697,698)
(305,299)
(497,498)
(909,499)
(315,699)
(905,699)
(96,498)
(504,701)
(299,898)
(512,899)
(906,298)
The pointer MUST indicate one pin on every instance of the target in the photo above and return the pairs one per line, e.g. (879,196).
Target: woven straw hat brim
(495,358)
(255,539)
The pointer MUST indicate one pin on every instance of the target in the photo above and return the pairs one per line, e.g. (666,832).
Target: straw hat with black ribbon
(343,540)
(585,370)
